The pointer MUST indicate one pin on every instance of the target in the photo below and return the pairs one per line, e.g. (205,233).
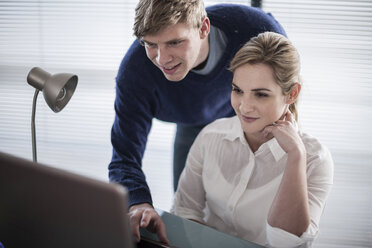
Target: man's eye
(150,45)
(174,43)
(147,44)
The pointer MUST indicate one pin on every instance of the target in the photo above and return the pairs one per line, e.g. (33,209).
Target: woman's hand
(285,132)
(290,208)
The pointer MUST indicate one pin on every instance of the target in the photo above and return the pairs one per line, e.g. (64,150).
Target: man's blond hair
(153,15)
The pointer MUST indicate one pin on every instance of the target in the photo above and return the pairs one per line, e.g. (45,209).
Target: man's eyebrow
(174,40)
(145,41)
(167,42)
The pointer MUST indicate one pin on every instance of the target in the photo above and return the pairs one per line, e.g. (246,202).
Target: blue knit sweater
(143,93)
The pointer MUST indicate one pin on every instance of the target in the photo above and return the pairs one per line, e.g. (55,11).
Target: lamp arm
(33,134)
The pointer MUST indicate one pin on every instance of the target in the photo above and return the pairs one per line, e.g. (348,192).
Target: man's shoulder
(239,17)
(236,11)
(230,7)
(133,65)
(135,55)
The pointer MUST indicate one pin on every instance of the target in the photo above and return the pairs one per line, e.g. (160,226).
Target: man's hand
(144,216)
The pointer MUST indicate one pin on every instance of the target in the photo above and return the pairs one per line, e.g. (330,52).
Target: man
(177,72)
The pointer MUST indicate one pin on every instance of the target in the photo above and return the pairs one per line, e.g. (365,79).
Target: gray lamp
(57,90)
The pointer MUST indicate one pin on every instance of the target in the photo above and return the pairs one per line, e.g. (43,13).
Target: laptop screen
(41,206)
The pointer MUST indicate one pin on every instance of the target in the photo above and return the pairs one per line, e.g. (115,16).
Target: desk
(184,233)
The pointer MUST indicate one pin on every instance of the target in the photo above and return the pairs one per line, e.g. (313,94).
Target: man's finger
(134,223)
(161,232)
(153,222)
(147,216)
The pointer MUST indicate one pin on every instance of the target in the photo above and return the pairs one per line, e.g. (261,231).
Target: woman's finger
(289,116)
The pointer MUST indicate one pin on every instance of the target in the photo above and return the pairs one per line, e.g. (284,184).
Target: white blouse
(228,187)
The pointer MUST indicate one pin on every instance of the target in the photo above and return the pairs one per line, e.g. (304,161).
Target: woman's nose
(246,105)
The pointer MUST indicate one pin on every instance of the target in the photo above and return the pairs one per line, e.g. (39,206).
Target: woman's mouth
(249,119)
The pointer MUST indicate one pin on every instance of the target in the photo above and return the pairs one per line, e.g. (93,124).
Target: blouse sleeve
(189,200)
(319,182)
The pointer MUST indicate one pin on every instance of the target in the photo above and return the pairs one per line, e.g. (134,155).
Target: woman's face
(256,98)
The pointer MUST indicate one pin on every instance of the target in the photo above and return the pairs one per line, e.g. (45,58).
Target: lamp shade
(57,89)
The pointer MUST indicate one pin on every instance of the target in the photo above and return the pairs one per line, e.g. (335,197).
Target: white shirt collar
(275,149)
(236,132)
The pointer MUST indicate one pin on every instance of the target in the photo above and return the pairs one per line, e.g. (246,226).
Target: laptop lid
(41,206)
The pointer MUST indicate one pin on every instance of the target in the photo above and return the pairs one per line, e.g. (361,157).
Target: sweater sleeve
(134,110)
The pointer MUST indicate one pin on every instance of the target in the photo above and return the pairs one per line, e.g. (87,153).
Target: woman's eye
(260,94)
(237,90)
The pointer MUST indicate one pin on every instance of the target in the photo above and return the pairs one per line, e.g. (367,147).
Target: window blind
(334,39)
(82,37)
(89,38)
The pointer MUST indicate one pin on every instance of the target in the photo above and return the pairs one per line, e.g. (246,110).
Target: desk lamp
(57,90)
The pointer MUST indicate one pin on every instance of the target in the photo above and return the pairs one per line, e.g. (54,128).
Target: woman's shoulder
(217,135)
(222,125)
(220,129)
(318,155)
(312,144)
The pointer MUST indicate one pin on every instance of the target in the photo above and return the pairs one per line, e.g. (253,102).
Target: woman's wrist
(297,155)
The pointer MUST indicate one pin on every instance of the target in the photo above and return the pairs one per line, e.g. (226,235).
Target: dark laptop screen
(41,206)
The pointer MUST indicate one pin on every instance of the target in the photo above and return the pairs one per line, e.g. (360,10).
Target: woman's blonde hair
(276,51)
(154,15)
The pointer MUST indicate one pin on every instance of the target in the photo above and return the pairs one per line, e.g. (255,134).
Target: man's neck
(204,52)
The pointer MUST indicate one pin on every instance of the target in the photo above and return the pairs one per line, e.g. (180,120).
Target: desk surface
(184,233)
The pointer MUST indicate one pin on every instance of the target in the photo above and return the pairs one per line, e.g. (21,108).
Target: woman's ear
(293,94)
(205,28)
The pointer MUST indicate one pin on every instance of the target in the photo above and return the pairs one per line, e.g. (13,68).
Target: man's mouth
(170,69)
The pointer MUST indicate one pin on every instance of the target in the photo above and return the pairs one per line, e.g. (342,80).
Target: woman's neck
(255,140)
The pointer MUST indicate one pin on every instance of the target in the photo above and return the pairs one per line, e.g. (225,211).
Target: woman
(255,175)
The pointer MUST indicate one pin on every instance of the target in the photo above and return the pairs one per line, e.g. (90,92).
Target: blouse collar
(236,132)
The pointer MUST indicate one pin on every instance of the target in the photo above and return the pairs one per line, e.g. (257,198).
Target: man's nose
(163,56)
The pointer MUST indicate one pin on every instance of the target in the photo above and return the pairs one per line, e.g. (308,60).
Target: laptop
(45,207)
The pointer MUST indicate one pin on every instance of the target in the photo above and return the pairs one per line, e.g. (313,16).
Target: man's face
(176,49)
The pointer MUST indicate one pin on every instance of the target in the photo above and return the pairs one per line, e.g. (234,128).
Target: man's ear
(205,28)
(294,93)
